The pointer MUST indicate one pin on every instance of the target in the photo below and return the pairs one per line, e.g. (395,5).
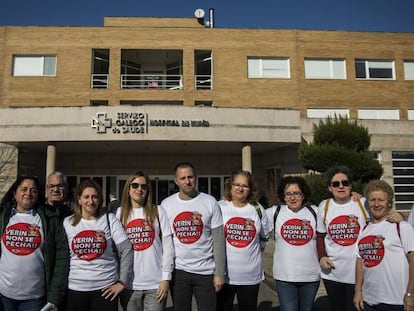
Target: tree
(8,166)
(338,141)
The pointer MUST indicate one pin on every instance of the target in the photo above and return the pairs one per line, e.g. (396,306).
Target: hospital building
(146,93)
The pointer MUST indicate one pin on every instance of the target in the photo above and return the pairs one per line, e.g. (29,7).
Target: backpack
(259,212)
(278,210)
(361,207)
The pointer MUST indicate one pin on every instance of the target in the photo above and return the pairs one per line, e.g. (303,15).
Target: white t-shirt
(343,224)
(92,262)
(150,265)
(385,264)
(295,258)
(191,222)
(22,271)
(242,230)
(411,216)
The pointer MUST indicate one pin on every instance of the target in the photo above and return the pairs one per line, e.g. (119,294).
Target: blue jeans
(23,305)
(296,296)
(141,300)
(185,284)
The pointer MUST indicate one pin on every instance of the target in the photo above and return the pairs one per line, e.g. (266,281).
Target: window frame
(409,70)
(371,65)
(264,66)
(322,113)
(378,114)
(308,62)
(42,63)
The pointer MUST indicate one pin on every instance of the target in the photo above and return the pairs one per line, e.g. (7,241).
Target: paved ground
(268,300)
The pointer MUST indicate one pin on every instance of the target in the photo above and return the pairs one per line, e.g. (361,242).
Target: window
(410,114)
(34,65)
(374,69)
(203,103)
(403,170)
(275,68)
(324,113)
(409,70)
(100,69)
(325,69)
(379,114)
(98,103)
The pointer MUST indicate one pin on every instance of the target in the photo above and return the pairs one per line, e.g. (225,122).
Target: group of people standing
(362,251)
(192,245)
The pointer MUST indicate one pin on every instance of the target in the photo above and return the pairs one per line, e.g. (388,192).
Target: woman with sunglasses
(150,234)
(340,221)
(246,230)
(295,261)
(94,240)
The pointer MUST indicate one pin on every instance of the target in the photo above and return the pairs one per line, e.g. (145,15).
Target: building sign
(137,123)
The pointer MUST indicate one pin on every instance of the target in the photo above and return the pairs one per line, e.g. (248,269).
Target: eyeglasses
(136,185)
(60,186)
(293,194)
(240,186)
(337,183)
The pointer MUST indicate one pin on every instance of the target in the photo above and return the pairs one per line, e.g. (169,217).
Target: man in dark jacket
(56,194)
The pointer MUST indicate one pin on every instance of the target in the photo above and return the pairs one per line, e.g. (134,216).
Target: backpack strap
(278,207)
(311,210)
(398,230)
(258,210)
(114,248)
(260,214)
(159,226)
(361,207)
(325,212)
(363,211)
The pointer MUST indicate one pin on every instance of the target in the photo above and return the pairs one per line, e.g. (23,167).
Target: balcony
(203,82)
(160,82)
(99,81)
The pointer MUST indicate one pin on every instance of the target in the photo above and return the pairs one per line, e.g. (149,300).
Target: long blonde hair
(150,209)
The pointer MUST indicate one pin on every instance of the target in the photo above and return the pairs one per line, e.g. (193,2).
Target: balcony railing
(163,82)
(203,82)
(100,81)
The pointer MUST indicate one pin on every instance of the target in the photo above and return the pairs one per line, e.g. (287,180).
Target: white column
(247,158)
(50,159)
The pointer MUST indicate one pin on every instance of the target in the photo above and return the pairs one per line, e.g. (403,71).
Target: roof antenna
(199,14)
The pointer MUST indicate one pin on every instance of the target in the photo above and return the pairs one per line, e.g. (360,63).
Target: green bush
(338,141)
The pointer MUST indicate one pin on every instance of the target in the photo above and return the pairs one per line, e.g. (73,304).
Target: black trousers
(246,297)
(89,301)
(340,295)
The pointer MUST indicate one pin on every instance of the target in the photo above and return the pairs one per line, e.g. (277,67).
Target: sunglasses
(136,185)
(336,184)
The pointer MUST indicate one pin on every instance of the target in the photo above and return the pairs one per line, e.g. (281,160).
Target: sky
(351,15)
